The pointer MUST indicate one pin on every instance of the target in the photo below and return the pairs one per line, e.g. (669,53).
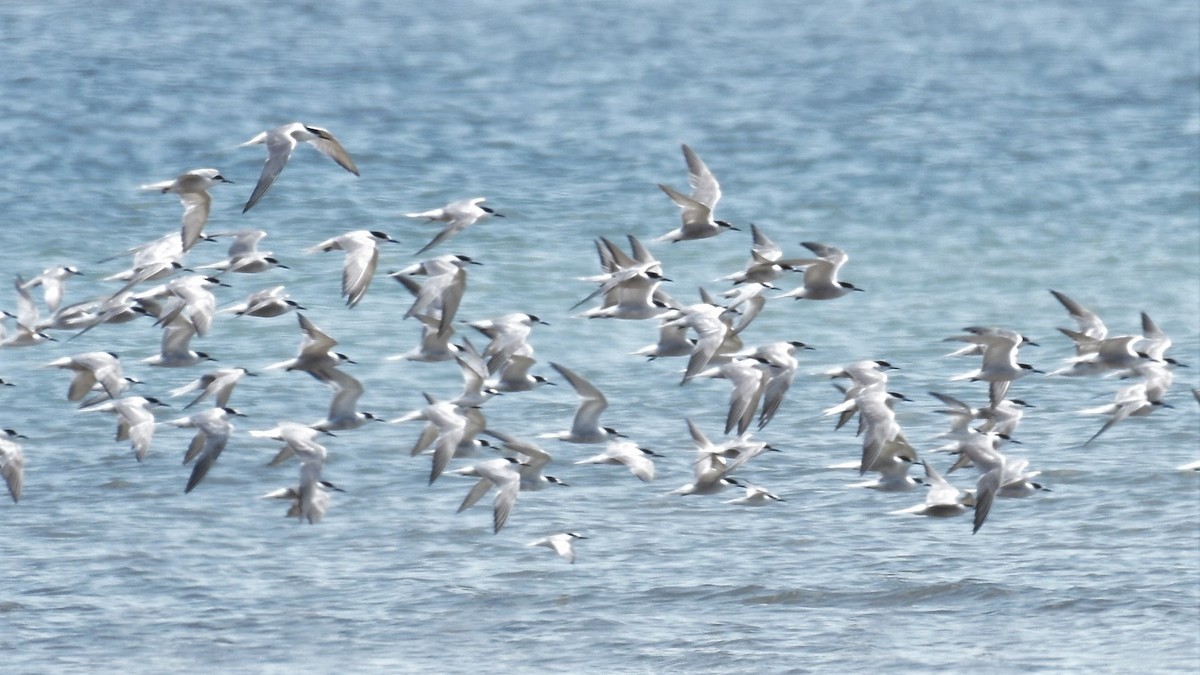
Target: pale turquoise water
(967,157)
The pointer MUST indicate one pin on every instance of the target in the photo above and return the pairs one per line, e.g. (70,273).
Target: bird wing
(705,188)
(279,151)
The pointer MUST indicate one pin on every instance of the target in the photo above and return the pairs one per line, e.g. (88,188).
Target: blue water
(967,156)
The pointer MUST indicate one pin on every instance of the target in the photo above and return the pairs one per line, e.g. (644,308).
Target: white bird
(12,463)
(310,506)
(585,428)
(190,299)
(475,391)
(437,265)
(514,376)
(310,498)
(1000,366)
(778,361)
(863,372)
(821,274)
(1102,356)
(219,384)
(1012,475)
(343,408)
(562,544)
(629,285)
(748,300)
(435,344)
(707,319)
(627,454)
(977,349)
(27,333)
(315,356)
(893,475)
(530,468)
(697,210)
(165,247)
(710,476)
(1154,342)
(711,472)
(852,397)
(135,420)
(943,499)
(297,439)
(508,335)
(438,298)
(1130,401)
(243,256)
(447,426)
(500,473)
(268,302)
(1090,324)
(92,370)
(362,256)
(1001,419)
(176,351)
(673,340)
(755,496)
(883,439)
(980,449)
(749,381)
(766,262)
(192,188)
(281,141)
(53,282)
(213,430)
(458,216)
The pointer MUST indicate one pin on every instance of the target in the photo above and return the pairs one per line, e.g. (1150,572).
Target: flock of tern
(707,337)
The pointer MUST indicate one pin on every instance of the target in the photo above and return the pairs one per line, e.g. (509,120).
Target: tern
(343,407)
(562,544)
(755,496)
(1131,401)
(219,384)
(53,282)
(192,188)
(176,351)
(1000,366)
(530,468)
(135,420)
(92,370)
(362,256)
(627,454)
(297,439)
(500,473)
(438,298)
(458,216)
(585,428)
(821,274)
(1091,326)
(697,210)
(766,262)
(943,499)
(213,430)
(447,425)
(514,376)
(281,141)
(269,302)
(27,333)
(12,463)
(509,335)
(310,505)
(243,256)
(316,356)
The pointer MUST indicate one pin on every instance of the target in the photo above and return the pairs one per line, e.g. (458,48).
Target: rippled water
(967,158)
